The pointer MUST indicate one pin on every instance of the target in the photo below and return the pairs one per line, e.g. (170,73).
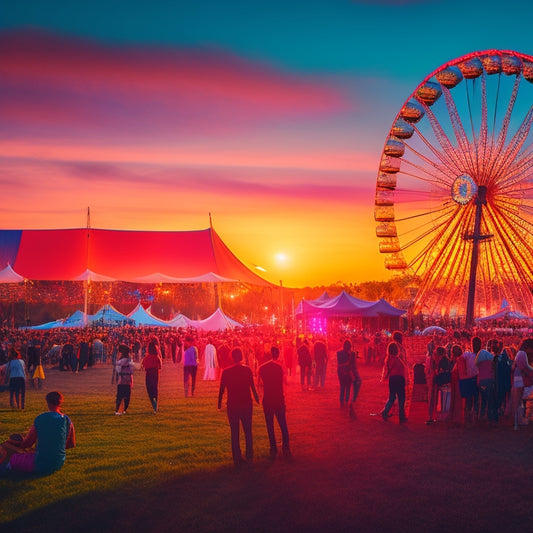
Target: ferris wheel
(454,191)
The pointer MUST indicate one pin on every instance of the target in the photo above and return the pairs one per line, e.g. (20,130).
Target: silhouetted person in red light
(239,381)
(272,377)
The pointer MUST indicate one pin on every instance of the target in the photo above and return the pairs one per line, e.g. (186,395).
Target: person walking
(152,364)
(124,372)
(320,353)
(356,381)
(305,361)
(394,369)
(344,372)
(239,382)
(272,378)
(190,365)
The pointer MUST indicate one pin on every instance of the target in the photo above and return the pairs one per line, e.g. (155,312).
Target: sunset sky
(271,116)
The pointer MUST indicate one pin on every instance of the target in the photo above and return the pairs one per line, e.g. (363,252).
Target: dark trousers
(17,392)
(345,382)
(487,391)
(306,373)
(189,371)
(237,416)
(396,390)
(320,375)
(279,413)
(357,382)
(123,393)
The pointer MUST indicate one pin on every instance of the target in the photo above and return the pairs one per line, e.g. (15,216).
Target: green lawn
(173,471)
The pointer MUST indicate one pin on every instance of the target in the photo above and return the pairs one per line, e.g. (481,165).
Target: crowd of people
(469,379)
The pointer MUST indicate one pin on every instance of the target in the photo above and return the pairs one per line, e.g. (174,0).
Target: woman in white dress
(210,361)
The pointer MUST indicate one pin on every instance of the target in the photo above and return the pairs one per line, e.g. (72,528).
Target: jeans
(279,413)
(487,390)
(345,382)
(237,416)
(17,392)
(123,393)
(189,371)
(396,390)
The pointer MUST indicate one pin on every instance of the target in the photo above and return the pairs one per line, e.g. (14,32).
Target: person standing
(239,382)
(522,377)
(190,365)
(15,371)
(356,381)
(272,377)
(321,361)
(124,372)
(305,362)
(83,354)
(53,432)
(344,372)
(152,364)
(487,385)
(394,369)
(210,360)
(468,373)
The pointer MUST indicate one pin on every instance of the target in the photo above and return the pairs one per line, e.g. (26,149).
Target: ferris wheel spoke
(484,124)
(507,119)
(448,150)
(441,235)
(418,215)
(441,168)
(434,178)
(513,183)
(518,219)
(460,135)
(508,238)
(508,157)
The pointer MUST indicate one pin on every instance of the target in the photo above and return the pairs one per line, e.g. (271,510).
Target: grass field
(173,471)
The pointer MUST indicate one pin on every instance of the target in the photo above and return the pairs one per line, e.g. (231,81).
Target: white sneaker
(118,413)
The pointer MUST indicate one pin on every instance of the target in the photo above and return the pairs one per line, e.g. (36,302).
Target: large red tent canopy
(65,254)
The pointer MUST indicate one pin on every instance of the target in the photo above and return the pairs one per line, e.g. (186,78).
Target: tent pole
(281,310)
(86,303)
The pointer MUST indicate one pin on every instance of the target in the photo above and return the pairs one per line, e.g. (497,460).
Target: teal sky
(263,112)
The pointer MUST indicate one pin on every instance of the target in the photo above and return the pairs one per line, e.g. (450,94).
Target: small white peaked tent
(143,318)
(8,275)
(180,321)
(218,321)
(109,315)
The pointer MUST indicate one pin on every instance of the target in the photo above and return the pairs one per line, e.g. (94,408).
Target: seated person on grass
(52,431)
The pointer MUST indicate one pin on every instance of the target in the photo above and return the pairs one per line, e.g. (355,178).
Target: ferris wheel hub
(464,188)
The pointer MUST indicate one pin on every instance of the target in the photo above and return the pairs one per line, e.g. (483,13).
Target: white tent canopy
(8,275)
(144,318)
(157,277)
(218,321)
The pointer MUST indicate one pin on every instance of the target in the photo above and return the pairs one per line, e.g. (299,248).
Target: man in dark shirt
(321,360)
(271,376)
(239,381)
(305,361)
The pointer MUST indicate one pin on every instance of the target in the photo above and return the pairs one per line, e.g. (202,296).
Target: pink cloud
(54,80)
